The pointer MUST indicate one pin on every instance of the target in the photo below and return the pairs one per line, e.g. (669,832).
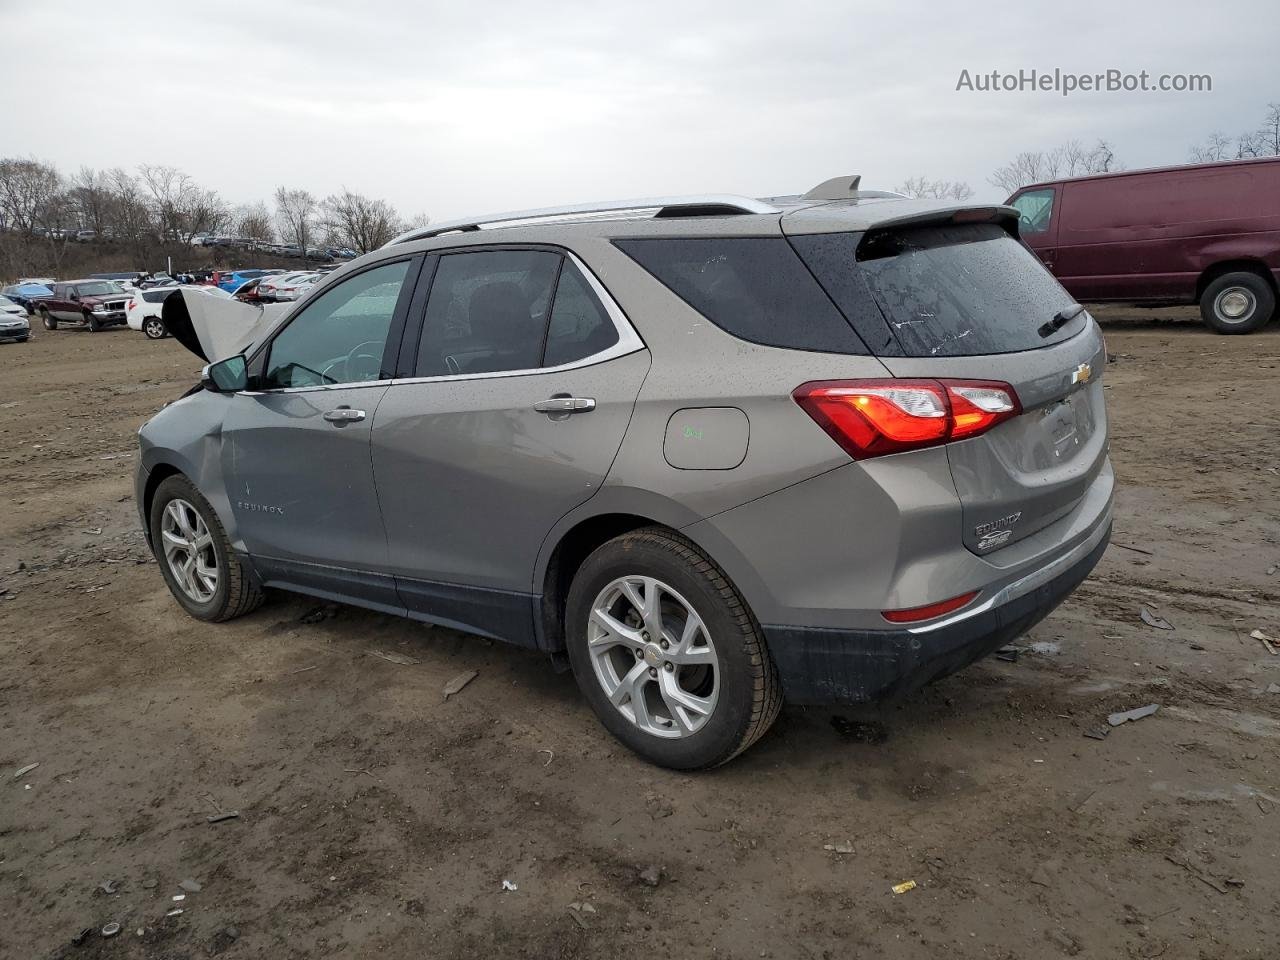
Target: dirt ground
(378,819)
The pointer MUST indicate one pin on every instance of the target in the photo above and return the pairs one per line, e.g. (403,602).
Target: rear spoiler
(1001,214)
(214,327)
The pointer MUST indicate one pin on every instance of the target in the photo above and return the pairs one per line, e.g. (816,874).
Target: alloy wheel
(188,549)
(653,657)
(154,328)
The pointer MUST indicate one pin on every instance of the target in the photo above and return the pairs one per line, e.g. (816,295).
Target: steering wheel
(357,366)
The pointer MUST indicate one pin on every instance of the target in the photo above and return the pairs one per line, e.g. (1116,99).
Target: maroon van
(1208,233)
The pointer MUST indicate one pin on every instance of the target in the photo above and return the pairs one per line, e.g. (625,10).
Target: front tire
(94,324)
(203,573)
(48,320)
(667,653)
(154,329)
(1237,303)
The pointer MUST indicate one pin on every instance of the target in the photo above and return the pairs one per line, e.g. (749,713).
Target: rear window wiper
(1060,320)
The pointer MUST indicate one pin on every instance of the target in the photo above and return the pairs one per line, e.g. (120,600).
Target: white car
(297,288)
(13,321)
(144,310)
(271,288)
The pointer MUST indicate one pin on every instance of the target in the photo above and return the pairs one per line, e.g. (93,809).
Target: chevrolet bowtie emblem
(1082,373)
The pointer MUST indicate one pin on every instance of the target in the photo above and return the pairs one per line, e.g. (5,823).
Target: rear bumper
(818,665)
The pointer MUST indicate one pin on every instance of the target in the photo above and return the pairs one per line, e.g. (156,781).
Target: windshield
(100,288)
(6,302)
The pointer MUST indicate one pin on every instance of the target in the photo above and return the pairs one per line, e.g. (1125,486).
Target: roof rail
(711,204)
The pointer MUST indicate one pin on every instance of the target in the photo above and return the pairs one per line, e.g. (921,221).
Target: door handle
(343,415)
(565,405)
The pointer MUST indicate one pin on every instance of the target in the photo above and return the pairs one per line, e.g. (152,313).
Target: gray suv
(712,453)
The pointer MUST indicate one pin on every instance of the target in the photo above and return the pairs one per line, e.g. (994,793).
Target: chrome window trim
(628,339)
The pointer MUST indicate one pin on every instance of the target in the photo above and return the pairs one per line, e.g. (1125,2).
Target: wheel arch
(611,513)
(1239,265)
(157,475)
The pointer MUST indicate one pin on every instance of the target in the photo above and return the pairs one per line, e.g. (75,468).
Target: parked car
(13,321)
(126,278)
(96,304)
(1206,233)
(295,288)
(271,285)
(229,280)
(247,292)
(530,433)
(145,309)
(27,294)
(85,236)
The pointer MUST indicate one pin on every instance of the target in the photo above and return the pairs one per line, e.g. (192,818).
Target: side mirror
(226,376)
(75,297)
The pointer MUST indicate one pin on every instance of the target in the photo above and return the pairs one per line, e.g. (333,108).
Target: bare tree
(924,188)
(1269,135)
(1077,160)
(1027,167)
(1071,159)
(253,222)
(1217,146)
(359,222)
(131,219)
(182,208)
(91,196)
(28,189)
(296,212)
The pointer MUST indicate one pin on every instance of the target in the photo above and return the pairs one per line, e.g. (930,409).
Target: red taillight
(928,612)
(870,418)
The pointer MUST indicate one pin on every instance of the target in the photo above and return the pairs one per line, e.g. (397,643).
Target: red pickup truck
(1206,233)
(92,303)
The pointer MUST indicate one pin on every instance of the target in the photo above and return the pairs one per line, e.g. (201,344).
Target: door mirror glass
(226,376)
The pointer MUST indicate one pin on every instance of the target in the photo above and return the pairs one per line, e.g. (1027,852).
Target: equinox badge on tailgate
(996,533)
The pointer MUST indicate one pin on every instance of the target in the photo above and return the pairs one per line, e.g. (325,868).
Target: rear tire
(1237,303)
(720,667)
(154,329)
(234,592)
(48,320)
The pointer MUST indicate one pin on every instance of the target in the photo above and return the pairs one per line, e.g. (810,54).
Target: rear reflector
(870,418)
(915,614)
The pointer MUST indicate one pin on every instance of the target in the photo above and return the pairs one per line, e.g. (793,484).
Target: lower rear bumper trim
(818,665)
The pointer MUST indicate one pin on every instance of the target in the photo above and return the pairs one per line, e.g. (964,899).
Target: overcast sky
(464,107)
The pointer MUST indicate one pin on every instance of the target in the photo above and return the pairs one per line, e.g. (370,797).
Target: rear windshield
(944,290)
(755,288)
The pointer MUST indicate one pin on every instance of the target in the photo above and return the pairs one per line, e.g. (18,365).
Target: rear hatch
(966,300)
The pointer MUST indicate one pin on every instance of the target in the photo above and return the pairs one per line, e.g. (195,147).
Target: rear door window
(755,288)
(944,290)
(579,326)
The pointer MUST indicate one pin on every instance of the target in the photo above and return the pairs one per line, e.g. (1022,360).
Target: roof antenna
(837,188)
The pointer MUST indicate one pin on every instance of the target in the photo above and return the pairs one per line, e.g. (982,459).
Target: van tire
(748,695)
(1238,302)
(47,319)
